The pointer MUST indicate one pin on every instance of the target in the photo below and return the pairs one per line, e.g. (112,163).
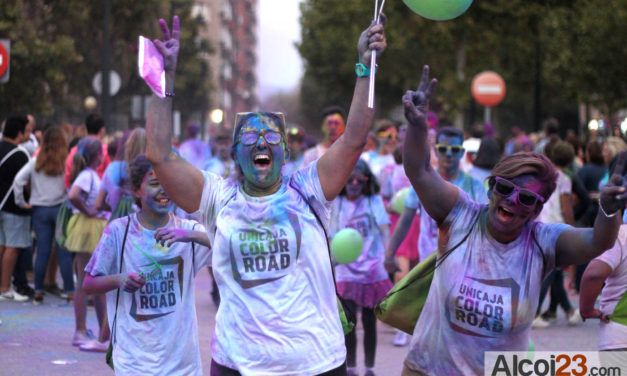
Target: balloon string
(373,55)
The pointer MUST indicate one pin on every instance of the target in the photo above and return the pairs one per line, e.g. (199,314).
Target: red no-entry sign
(5,59)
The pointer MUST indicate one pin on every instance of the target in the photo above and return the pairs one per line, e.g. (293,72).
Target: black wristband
(169,95)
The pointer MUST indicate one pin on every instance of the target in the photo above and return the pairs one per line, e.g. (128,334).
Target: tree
(528,42)
(56,53)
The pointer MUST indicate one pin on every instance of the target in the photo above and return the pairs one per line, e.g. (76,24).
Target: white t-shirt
(312,154)
(156,331)
(89,183)
(614,335)
(428,236)
(278,313)
(552,210)
(378,162)
(483,296)
(365,215)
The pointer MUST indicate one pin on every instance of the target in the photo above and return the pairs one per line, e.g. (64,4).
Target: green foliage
(56,51)
(551,54)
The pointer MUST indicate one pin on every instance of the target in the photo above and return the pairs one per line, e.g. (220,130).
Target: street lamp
(216,116)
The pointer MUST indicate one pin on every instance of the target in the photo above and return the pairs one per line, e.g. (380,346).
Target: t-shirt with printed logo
(365,215)
(164,306)
(483,296)
(278,313)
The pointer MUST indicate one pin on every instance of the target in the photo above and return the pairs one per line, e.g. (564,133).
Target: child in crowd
(364,282)
(146,264)
(83,231)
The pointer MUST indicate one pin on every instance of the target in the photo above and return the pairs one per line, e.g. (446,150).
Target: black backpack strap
(194,253)
(117,295)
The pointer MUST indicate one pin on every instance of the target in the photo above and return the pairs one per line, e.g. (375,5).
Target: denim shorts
(15,230)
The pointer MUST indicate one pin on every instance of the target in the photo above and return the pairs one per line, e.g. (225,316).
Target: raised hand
(614,195)
(416,103)
(371,39)
(169,46)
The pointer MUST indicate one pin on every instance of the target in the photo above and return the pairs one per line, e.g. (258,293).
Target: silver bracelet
(604,213)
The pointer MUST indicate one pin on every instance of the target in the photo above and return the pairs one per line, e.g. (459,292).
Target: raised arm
(182,182)
(336,165)
(436,195)
(580,245)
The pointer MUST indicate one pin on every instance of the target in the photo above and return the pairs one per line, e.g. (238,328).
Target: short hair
(372,186)
(562,154)
(551,126)
(595,153)
(14,125)
(331,110)
(450,132)
(138,168)
(488,154)
(528,163)
(94,124)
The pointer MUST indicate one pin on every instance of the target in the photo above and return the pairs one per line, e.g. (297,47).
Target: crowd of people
(130,220)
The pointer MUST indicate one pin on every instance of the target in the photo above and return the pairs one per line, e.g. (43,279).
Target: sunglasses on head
(250,138)
(506,188)
(444,149)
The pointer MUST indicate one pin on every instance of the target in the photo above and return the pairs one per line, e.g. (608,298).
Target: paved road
(36,339)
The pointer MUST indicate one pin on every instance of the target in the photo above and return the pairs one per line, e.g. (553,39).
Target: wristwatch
(361,70)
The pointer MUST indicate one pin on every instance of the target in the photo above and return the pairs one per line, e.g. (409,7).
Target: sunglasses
(250,138)
(356,179)
(444,149)
(506,188)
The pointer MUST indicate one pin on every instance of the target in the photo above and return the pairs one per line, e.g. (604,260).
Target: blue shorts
(15,230)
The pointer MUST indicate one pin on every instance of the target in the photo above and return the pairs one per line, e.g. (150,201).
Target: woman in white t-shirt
(278,313)
(364,282)
(485,291)
(146,263)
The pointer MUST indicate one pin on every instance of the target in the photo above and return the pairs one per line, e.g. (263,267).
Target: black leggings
(559,296)
(220,370)
(369,322)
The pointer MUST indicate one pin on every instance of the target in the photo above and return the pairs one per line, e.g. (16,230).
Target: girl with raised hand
(364,282)
(146,264)
(279,312)
(485,292)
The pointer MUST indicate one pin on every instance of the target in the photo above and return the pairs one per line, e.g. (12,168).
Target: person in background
(192,149)
(83,231)
(95,127)
(387,135)
(295,144)
(221,163)
(558,209)
(363,282)
(333,126)
(488,155)
(44,174)
(115,194)
(550,129)
(14,220)
(31,144)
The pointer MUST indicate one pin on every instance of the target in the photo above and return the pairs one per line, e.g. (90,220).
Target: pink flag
(150,63)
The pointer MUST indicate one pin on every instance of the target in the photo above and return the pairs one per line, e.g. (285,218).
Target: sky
(279,67)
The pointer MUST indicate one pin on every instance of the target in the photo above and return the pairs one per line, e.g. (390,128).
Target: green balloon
(398,201)
(438,10)
(346,245)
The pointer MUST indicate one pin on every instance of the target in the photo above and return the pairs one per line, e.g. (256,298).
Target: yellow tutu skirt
(83,233)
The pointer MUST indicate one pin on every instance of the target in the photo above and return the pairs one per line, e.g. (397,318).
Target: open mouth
(163,201)
(262,160)
(504,214)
